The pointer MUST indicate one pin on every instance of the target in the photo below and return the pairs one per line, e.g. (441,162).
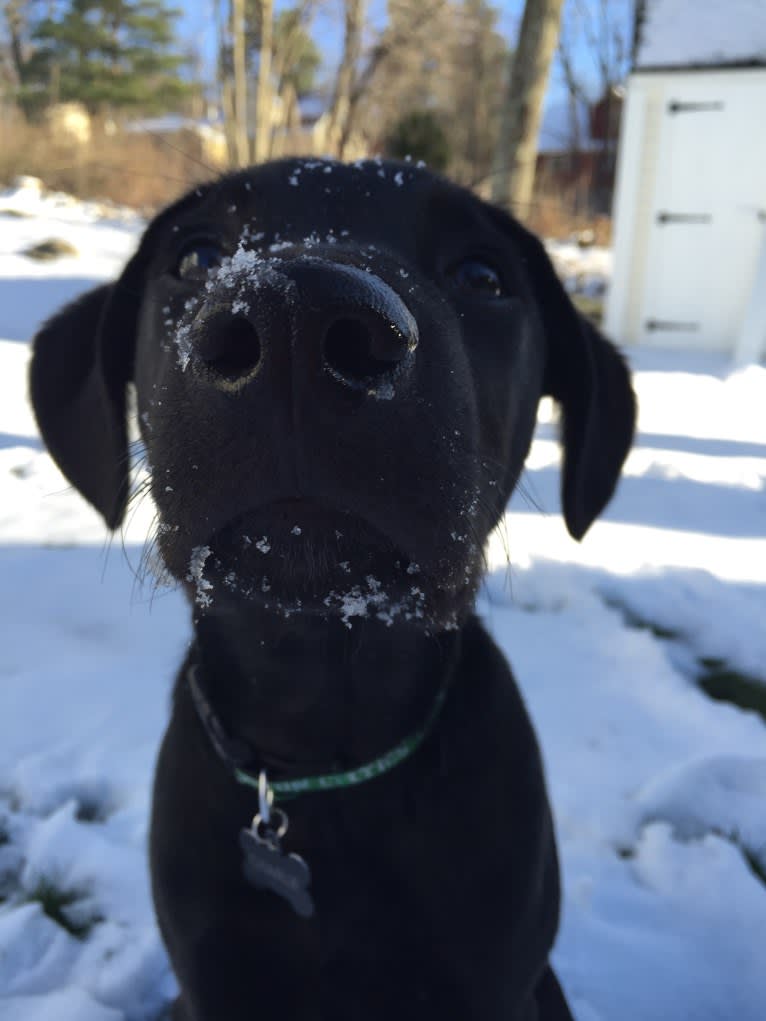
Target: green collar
(234,753)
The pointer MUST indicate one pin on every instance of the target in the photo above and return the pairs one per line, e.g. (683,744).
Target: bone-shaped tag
(267,867)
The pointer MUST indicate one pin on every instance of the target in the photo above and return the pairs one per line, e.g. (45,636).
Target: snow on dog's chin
(296,569)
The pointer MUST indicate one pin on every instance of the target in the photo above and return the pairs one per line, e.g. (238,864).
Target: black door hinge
(676,106)
(670,325)
(665,218)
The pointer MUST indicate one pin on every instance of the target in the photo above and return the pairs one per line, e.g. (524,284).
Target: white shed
(690,198)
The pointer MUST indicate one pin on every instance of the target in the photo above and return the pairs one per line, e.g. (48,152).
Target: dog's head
(337,372)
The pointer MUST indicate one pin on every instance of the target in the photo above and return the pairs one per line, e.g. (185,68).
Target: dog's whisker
(105,551)
(524,489)
(164,140)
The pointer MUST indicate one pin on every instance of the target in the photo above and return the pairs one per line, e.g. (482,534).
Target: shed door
(708,213)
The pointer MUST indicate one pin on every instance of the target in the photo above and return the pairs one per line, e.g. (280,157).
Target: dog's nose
(361,346)
(355,326)
(364,329)
(228,344)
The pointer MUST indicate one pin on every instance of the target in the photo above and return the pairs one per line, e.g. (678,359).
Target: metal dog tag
(267,866)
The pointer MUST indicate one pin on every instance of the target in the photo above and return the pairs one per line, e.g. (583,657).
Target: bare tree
(15,18)
(261,58)
(19,18)
(346,76)
(404,32)
(224,86)
(607,28)
(478,55)
(240,97)
(594,37)
(575,90)
(359,71)
(264,99)
(289,44)
(514,169)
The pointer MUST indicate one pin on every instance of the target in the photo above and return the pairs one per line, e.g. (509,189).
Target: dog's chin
(292,558)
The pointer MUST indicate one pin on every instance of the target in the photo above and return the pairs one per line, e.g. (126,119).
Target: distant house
(690,201)
(577,149)
(305,131)
(202,139)
(300,126)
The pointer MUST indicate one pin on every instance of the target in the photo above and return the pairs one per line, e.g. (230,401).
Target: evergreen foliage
(419,134)
(107,54)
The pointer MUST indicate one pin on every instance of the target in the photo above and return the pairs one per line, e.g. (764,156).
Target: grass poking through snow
(58,903)
(755,864)
(725,684)
(717,678)
(638,623)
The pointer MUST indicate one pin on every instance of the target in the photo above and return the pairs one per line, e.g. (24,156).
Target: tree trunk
(14,20)
(16,25)
(229,121)
(514,171)
(264,99)
(223,86)
(345,81)
(575,94)
(241,148)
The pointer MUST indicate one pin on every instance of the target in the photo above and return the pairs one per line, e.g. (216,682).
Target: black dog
(337,372)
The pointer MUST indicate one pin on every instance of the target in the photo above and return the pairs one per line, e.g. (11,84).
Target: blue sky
(197,27)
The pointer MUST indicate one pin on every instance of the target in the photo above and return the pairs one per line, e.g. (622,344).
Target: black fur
(334,422)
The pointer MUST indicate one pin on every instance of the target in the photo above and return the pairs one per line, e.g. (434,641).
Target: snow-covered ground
(659,792)
(584,270)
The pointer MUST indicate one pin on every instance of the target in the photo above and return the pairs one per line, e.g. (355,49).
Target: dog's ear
(588,377)
(81,364)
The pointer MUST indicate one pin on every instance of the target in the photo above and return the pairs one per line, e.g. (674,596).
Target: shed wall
(690,208)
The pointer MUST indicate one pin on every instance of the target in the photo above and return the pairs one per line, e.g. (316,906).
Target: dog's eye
(477,275)
(198,259)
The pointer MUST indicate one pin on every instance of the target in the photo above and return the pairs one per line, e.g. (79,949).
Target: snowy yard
(659,791)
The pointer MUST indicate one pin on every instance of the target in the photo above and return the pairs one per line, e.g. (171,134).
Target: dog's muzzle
(363,332)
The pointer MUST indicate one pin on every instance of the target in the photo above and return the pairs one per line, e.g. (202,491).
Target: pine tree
(109,55)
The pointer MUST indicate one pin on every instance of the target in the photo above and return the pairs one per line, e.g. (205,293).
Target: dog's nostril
(358,351)
(231,349)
